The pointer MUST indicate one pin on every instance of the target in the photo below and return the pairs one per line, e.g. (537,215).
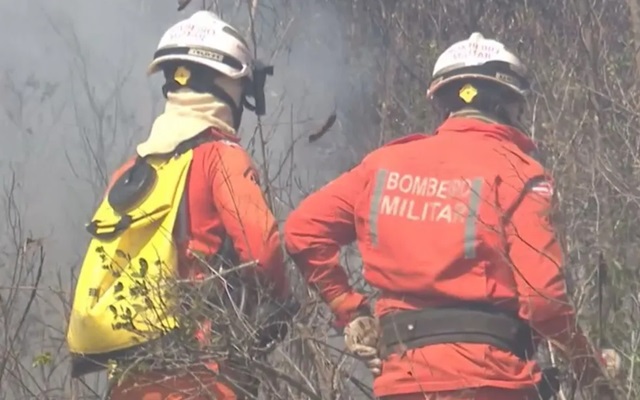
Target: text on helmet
(190,33)
(473,50)
(206,54)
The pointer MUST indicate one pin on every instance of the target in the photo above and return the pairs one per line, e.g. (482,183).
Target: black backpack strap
(189,144)
(181,229)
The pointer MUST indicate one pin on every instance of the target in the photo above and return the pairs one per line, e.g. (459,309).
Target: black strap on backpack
(181,229)
(135,184)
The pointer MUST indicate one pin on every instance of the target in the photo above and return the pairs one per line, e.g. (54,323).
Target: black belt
(464,323)
(460,323)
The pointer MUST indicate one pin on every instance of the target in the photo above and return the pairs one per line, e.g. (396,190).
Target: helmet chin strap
(253,88)
(514,113)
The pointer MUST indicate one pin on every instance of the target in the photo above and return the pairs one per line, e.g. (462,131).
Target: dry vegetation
(585,61)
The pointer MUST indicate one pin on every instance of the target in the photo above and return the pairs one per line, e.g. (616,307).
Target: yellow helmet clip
(182,75)
(468,93)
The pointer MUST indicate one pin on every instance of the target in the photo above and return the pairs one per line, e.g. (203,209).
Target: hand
(612,362)
(362,337)
(346,307)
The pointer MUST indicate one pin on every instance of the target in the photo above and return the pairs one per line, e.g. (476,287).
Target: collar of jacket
(471,121)
(221,135)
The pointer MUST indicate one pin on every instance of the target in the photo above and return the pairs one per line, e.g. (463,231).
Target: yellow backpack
(121,298)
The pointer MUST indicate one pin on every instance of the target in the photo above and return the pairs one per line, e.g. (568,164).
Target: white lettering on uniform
(406,184)
(442,190)
(389,205)
(427,186)
(392,181)
(421,198)
(415,210)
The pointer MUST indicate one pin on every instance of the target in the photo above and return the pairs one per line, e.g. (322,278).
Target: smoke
(89,99)
(75,99)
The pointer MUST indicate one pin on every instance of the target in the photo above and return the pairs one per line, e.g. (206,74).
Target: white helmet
(479,58)
(205,39)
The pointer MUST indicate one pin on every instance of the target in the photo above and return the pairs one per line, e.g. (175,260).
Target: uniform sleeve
(314,234)
(245,214)
(536,257)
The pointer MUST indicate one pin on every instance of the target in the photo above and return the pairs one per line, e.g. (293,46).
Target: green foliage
(42,359)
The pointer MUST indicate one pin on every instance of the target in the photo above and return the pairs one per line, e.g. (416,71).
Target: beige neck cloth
(187,114)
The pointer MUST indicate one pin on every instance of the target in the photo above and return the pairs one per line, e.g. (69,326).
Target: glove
(612,362)
(362,338)
(612,366)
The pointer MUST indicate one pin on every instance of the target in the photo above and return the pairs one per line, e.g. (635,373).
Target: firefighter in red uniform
(454,233)
(209,72)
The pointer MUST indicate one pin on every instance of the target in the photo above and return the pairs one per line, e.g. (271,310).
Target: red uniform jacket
(461,215)
(224,198)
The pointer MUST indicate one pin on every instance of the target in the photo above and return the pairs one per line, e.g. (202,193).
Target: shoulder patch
(541,185)
(543,188)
